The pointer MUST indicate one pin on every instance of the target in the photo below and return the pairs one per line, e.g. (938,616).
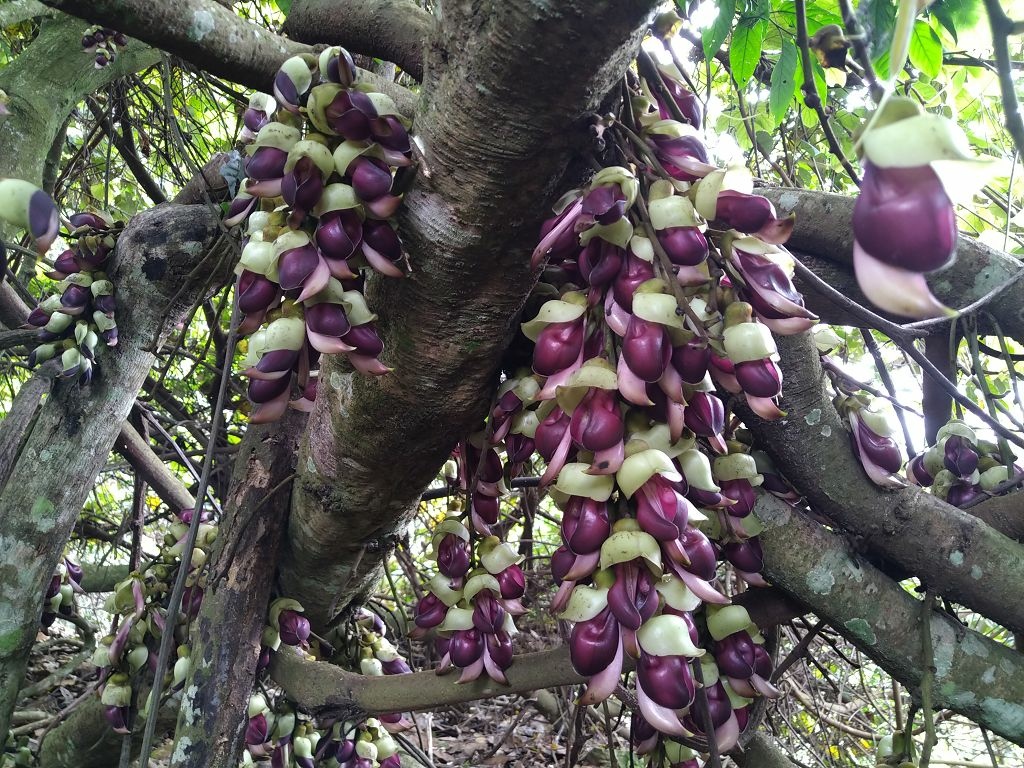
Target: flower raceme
(316,203)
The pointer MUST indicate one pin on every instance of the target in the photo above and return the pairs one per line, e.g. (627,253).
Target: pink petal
(896,290)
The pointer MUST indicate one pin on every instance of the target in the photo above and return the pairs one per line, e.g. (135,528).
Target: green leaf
(783,84)
(285,6)
(881,19)
(926,49)
(957,15)
(745,49)
(713,37)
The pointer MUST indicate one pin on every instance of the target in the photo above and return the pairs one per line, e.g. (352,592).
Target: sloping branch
(150,467)
(975,676)
(162,264)
(493,153)
(393,30)
(954,552)
(210,36)
(823,239)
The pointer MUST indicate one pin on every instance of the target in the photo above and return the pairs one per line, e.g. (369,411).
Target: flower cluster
(316,203)
(475,595)
(377,656)
(292,741)
(139,606)
(103,43)
(961,467)
(72,322)
(60,594)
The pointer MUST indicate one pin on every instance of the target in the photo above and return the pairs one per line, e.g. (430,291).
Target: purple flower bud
(646,348)
(38,317)
(684,157)
(293,627)
(466,647)
(770,291)
(632,597)
(917,472)
(605,204)
(512,582)
(485,507)
(396,667)
(365,339)
(550,433)
(960,458)
(338,234)
(43,220)
(256,293)
(705,414)
(745,555)
(634,272)
(685,246)
(341,69)
(75,299)
(660,510)
(257,732)
(519,448)
(882,452)
(596,423)
(760,378)
(117,718)
(430,611)
(904,218)
(266,163)
(488,613)
(600,261)
(689,105)
(558,346)
(751,213)
(389,132)
(593,643)
(701,553)
(691,361)
(585,525)
(349,115)
(453,556)
(296,266)
(371,178)
(302,187)
(65,264)
(326,319)
(383,248)
(499,648)
(734,655)
(742,493)
(667,680)
(960,494)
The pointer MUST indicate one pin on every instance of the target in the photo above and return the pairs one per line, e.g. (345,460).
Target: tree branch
(493,154)
(210,36)
(392,30)
(955,553)
(150,467)
(1002,27)
(975,676)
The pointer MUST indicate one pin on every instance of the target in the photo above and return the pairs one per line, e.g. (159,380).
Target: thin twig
(1002,27)
(927,678)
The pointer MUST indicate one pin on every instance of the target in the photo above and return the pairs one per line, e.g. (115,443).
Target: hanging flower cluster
(316,204)
(60,594)
(377,656)
(72,323)
(139,606)
(103,43)
(961,467)
(475,595)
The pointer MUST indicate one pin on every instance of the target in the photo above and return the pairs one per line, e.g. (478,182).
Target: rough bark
(160,268)
(1004,513)
(975,676)
(209,35)
(17,424)
(824,232)
(493,153)
(390,30)
(954,552)
(212,717)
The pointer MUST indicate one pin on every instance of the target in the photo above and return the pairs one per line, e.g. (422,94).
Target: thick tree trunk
(163,262)
(493,155)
